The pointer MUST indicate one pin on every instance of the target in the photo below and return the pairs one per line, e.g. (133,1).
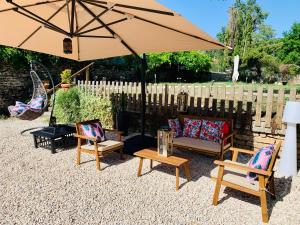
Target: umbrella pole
(143,93)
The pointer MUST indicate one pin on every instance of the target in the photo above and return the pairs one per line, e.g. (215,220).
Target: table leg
(52,146)
(151,164)
(187,171)
(35,141)
(140,167)
(177,178)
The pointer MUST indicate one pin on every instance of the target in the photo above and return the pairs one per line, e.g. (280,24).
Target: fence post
(269,107)
(280,106)
(258,106)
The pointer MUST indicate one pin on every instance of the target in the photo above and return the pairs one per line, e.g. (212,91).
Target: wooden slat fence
(259,109)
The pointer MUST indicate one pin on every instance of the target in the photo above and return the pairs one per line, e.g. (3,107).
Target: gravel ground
(37,187)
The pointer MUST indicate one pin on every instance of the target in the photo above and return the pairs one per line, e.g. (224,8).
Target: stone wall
(14,85)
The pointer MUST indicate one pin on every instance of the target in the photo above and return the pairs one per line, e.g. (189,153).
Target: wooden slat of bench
(152,154)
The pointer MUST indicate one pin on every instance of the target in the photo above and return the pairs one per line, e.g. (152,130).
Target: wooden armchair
(232,174)
(97,149)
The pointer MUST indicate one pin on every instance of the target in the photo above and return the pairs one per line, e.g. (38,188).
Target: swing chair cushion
(37,103)
(20,107)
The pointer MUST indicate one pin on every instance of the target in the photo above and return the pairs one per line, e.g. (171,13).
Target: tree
(252,39)
(290,51)
(193,61)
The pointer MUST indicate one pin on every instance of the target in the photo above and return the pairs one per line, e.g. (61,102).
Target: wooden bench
(203,146)
(175,161)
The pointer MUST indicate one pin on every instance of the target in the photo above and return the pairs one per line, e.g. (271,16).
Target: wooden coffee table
(151,153)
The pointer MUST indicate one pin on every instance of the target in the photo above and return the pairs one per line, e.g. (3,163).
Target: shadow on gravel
(107,161)
(282,188)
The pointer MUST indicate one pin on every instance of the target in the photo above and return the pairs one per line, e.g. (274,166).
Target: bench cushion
(235,176)
(191,128)
(211,130)
(198,144)
(104,146)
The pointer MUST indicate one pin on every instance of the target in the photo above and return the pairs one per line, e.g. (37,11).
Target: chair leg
(218,185)
(263,200)
(121,154)
(97,160)
(272,188)
(78,156)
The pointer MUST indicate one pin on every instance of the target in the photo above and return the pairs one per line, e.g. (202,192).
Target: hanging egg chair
(39,100)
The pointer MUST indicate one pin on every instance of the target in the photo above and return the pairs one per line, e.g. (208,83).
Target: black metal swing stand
(54,135)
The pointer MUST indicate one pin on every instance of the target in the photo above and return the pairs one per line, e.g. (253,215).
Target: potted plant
(46,84)
(66,79)
(122,116)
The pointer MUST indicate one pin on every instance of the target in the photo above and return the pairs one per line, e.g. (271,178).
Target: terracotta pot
(65,87)
(46,84)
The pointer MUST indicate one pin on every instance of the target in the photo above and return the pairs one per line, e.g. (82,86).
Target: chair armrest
(114,131)
(240,150)
(85,137)
(245,168)
(229,135)
(118,133)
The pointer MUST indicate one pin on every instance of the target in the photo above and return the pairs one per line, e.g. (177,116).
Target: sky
(211,15)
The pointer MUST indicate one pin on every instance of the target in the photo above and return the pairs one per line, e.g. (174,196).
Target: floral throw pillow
(94,130)
(37,103)
(212,130)
(191,128)
(260,160)
(175,127)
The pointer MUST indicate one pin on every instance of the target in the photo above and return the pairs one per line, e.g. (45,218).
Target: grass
(3,117)
(247,85)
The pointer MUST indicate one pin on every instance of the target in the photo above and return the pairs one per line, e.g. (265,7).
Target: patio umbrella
(93,29)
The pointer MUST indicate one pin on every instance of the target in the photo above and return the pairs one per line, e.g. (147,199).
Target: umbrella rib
(37,18)
(136,8)
(77,38)
(69,20)
(34,32)
(178,31)
(99,27)
(31,5)
(72,17)
(92,2)
(108,28)
(169,28)
(88,23)
(95,36)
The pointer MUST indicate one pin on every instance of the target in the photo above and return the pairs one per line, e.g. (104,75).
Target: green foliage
(155,60)
(74,106)
(261,54)
(194,60)
(290,51)
(95,107)
(3,117)
(67,106)
(66,76)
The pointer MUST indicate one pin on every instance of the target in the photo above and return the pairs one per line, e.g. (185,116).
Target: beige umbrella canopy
(98,29)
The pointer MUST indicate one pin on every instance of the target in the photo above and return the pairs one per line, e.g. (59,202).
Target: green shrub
(92,107)
(67,106)
(74,106)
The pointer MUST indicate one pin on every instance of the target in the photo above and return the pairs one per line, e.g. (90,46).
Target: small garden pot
(65,87)
(46,84)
